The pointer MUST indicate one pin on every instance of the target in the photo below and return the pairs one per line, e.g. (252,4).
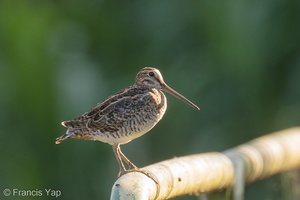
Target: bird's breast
(143,114)
(160,103)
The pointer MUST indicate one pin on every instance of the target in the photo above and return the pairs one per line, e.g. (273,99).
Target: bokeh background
(237,60)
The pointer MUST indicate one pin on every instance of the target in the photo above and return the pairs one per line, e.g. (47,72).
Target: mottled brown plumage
(126,115)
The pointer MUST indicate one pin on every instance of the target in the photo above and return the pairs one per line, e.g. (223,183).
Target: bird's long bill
(179,96)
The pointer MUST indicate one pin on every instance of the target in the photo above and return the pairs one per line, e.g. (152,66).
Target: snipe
(126,115)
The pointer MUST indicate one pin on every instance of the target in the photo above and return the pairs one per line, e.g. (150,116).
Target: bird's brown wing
(111,114)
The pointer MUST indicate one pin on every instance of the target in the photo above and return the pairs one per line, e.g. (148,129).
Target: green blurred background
(237,60)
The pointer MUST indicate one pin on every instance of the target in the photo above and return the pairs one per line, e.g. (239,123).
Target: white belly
(114,138)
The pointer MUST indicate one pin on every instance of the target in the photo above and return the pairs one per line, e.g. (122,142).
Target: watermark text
(31,192)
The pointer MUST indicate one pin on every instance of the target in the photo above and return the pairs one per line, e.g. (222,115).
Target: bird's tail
(63,137)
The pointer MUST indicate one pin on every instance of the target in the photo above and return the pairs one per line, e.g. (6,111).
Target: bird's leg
(116,149)
(132,167)
(127,161)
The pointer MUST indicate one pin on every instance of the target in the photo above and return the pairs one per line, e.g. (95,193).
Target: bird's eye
(151,74)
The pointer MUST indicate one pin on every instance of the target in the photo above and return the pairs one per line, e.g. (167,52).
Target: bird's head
(151,78)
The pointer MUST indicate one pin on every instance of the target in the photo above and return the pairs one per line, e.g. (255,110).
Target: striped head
(150,77)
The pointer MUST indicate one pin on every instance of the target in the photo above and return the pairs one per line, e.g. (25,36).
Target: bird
(125,116)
